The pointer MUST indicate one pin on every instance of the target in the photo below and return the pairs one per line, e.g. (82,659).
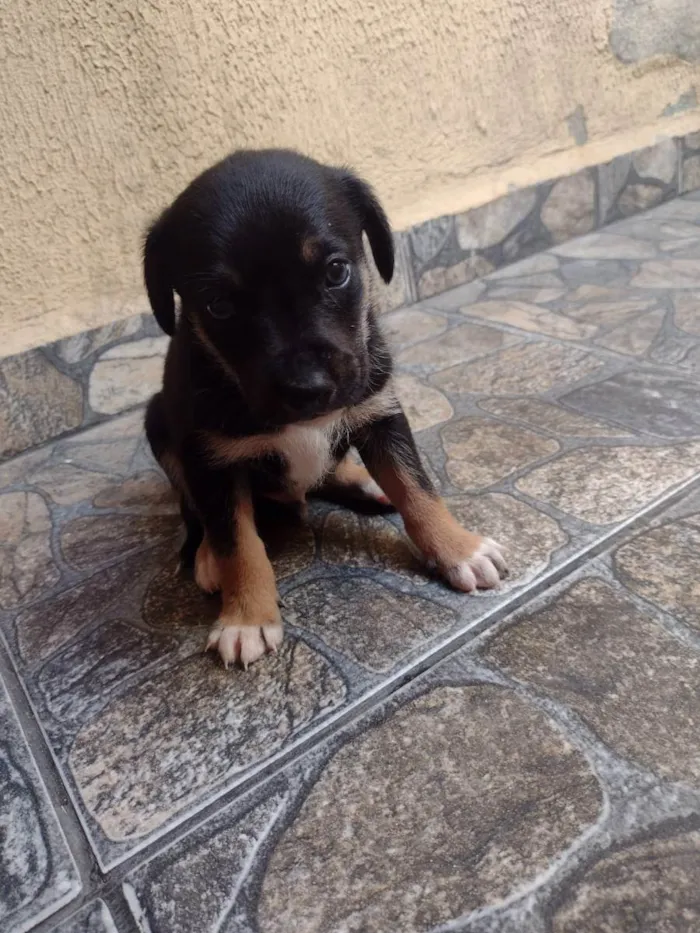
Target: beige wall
(108,108)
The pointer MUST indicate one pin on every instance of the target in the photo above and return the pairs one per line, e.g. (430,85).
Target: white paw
(206,569)
(244,643)
(483,570)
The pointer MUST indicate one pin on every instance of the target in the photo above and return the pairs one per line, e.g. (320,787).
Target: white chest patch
(306,447)
(307,452)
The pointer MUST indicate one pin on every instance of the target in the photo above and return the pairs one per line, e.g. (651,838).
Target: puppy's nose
(314,390)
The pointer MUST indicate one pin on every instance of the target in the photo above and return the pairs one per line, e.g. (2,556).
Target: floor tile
(419,831)
(651,403)
(135,770)
(28,566)
(146,729)
(587,696)
(411,325)
(628,679)
(434,809)
(528,369)
(637,340)
(544,777)
(553,403)
(659,564)
(480,453)
(610,289)
(94,918)
(537,414)
(685,316)
(424,405)
(605,246)
(657,880)
(37,872)
(531,317)
(455,346)
(538,264)
(668,274)
(609,484)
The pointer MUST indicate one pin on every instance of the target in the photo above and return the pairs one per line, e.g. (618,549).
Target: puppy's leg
(232,558)
(464,559)
(159,439)
(351,485)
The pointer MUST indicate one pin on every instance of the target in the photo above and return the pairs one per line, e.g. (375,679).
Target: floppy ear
(374,223)
(156,273)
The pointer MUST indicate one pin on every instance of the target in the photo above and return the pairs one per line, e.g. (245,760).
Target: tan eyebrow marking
(310,249)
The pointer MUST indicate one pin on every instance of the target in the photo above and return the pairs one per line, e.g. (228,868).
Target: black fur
(263,338)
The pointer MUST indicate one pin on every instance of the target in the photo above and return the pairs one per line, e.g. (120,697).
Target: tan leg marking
(250,623)
(206,569)
(466,560)
(353,475)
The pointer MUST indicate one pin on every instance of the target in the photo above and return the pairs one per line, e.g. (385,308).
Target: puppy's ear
(374,222)
(156,273)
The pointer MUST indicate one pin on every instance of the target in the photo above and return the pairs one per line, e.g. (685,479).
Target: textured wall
(109,107)
(656,27)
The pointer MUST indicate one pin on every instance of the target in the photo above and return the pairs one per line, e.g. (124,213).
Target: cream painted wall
(109,108)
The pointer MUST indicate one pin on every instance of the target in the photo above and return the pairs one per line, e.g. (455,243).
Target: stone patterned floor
(413,759)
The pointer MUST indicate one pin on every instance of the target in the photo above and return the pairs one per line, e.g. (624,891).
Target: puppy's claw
(244,643)
(461,577)
(496,554)
(273,635)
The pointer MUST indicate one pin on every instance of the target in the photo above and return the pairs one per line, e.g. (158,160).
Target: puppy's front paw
(477,563)
(240,638)
(206,569)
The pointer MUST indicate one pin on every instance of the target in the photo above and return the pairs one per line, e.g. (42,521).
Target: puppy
(276,368)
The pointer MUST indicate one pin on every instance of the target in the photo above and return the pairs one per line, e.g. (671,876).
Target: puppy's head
(265,251)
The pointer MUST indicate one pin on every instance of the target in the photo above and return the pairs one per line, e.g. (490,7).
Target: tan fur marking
(310,250)
(350,476)
(248,587)
(304,446)
(234,449)
(349,473)
(428,521)
(250,623)
(206,568)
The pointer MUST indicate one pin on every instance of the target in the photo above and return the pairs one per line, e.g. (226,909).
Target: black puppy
(276,368)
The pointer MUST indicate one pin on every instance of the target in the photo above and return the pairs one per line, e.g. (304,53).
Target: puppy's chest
(308,453)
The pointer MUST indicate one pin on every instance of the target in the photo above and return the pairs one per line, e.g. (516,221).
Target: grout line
(59,800)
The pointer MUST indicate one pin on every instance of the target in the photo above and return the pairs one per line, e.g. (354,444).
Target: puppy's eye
(220,308)
(337,273)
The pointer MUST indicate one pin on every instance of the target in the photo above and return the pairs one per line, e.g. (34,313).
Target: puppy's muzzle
(307,385)
(308,394)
